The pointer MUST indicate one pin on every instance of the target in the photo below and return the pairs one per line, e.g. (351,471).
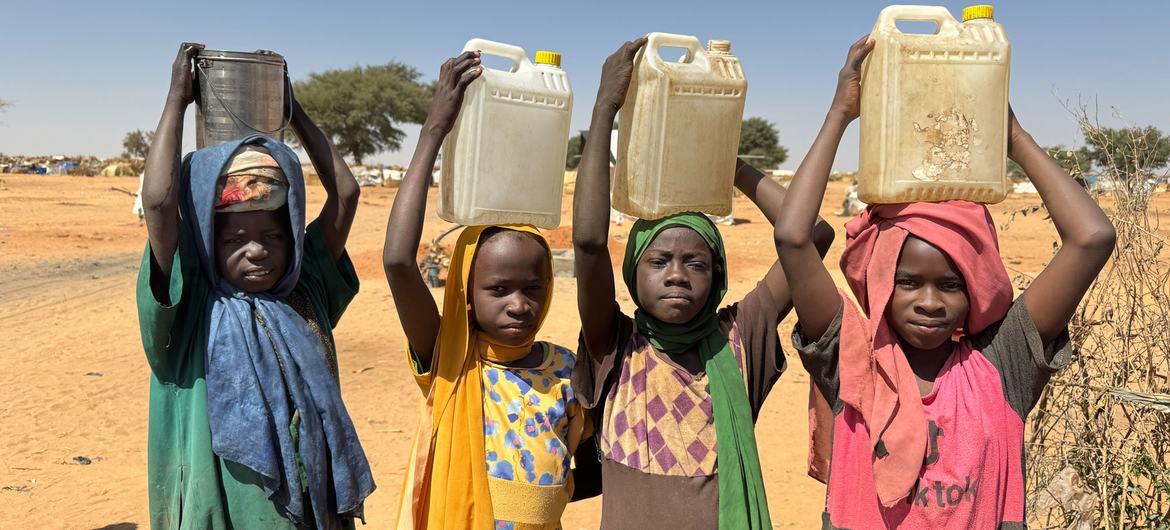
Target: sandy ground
(74,383)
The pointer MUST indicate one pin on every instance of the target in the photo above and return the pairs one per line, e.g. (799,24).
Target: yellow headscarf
(446,484)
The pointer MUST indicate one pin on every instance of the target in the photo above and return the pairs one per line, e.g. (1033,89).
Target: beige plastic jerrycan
(678,131)
(934,109)
(504,160)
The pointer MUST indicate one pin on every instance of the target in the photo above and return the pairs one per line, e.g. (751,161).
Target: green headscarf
(742,501)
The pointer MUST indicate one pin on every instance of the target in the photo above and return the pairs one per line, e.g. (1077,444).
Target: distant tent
(1024,187)
(119,169)
(62,168)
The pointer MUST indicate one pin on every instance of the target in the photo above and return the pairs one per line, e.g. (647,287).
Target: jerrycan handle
(515,53)
(889,17)
(688,42)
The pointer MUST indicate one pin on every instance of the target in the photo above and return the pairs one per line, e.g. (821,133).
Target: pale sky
(80,75)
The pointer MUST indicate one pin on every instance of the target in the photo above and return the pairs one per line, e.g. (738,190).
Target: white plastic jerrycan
(504,160)
(934,109)
(678,132)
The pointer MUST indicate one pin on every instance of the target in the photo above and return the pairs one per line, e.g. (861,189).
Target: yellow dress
(494,443)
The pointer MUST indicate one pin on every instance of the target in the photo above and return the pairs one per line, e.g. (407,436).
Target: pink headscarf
(876,379)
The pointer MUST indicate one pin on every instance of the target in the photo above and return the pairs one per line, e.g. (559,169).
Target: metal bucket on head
(240,94)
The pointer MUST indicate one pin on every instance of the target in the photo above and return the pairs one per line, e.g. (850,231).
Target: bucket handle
(287,104)
(690,43)
(517,54)
(889,17)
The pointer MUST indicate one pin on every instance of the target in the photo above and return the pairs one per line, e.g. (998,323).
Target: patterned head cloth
(251,181)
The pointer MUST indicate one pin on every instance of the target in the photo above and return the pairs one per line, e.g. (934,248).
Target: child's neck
(688,360)
(534,358)
(926,364)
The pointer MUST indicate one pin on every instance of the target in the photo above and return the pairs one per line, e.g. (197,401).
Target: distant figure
(852,205)
(616,217)
(137,210)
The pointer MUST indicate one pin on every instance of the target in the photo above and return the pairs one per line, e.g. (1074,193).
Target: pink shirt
(973,472)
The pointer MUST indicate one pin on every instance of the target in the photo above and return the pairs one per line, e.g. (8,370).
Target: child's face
(252,249)
(929,301)
(674,275)
(509,284)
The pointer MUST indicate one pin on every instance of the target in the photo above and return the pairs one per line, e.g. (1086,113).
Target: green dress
(191,487)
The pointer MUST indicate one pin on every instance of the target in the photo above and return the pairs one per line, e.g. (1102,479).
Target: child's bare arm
(340,187)
(595,289)
(1086,235)
(586,471)
(813,292)
(416,309)
(160,184)
(768,196)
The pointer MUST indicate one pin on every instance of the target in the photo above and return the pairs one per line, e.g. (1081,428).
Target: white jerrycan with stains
(504,160)
(678,131)
(934,109)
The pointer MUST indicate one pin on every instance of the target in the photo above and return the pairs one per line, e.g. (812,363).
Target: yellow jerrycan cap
(550,58)
(980,11)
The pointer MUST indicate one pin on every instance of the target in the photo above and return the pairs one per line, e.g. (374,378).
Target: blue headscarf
(251,338)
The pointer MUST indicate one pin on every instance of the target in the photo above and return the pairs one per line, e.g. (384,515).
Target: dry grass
(1105,420)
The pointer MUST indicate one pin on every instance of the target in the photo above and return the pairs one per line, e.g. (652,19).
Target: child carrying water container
(927,384)
(678,387)
(501,422)
(237,301)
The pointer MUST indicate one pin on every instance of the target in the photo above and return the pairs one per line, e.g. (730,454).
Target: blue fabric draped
(264,362)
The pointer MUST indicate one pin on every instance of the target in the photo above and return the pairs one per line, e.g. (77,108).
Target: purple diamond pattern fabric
(659,415)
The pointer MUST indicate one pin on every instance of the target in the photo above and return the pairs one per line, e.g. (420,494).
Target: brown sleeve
(755,319)
(1014,347)
(591,372)
(820,360)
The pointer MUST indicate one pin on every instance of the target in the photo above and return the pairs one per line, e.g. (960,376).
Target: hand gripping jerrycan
(934,109)
(678,131)
(504,160)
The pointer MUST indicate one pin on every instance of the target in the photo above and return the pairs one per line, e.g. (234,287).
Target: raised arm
(813,292)
(595,289)
(160,184)
(1086,235)
(416,308)
(340,187)
(768,196)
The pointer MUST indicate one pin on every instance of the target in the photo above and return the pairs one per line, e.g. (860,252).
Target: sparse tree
(137,143)
(573,155)
(362,107)
(759,138)
(1078,162)
(1131,151)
